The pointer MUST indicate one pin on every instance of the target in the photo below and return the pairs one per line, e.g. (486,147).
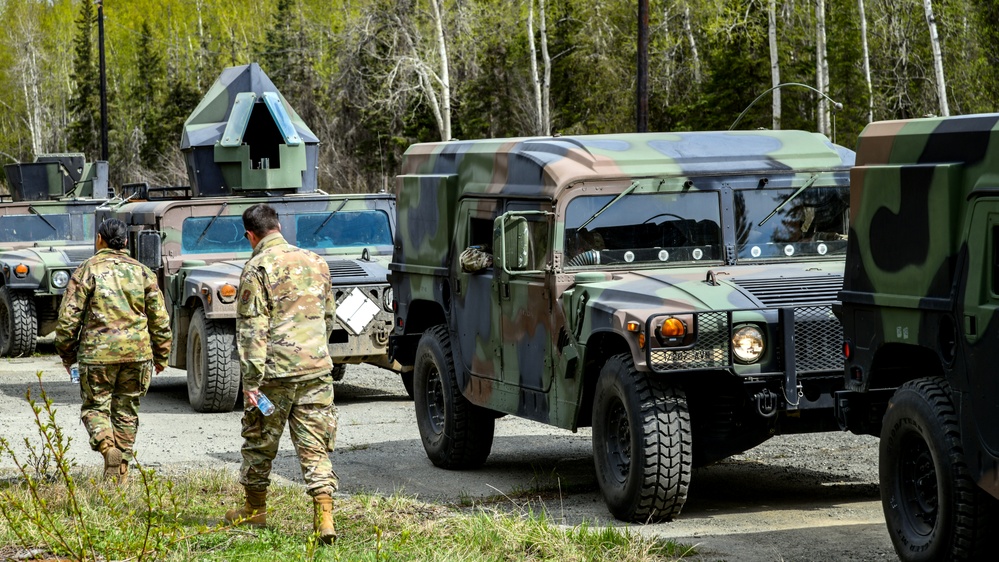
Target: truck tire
(212,367)
(933,508)
(456,433)
(407,383)
(338,372)
(18,323)
(641,443)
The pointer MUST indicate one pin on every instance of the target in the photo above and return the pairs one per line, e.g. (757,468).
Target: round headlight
(387,299)
(747,344)
(60,278)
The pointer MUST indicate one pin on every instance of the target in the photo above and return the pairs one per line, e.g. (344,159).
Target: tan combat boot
(123,474)
(253,512)
(112,460)
(323,520)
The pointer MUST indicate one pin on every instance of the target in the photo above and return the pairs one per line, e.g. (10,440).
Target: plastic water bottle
(74,375)
(264,404)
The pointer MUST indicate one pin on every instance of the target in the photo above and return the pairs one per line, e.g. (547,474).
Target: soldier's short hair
(114,233)
(260,219)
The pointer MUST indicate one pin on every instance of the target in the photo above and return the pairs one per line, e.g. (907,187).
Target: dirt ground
(804,497)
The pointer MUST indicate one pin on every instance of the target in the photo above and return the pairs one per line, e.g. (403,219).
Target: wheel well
(895,364)
(599,348)
(423,315)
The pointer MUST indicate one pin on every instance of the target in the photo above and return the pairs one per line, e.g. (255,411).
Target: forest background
(371,77)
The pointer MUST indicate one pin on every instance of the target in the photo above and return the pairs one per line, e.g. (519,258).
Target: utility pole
(643,66)
(103,80)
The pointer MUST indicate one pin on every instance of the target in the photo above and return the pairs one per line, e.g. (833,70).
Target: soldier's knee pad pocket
(253,424)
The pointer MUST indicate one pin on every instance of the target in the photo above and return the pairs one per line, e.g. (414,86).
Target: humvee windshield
(30,228)
(685,227)
(343,229)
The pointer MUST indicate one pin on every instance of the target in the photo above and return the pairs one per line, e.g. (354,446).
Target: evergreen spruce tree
(84,103)
(147,99)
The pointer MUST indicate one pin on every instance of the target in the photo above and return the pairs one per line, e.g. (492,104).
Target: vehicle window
(203,235)
(813,224)
(28,228)
(343,229)
(671,228)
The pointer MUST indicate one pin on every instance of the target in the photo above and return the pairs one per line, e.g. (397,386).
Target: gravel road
(804,497)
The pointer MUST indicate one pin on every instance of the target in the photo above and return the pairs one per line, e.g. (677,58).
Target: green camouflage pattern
(113,312)
(922,275)
(111,394)
(285,314)
(307,407)
(530,335)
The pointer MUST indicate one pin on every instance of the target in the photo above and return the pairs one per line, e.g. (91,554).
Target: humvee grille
(796,291)
(710,352)
(818,339)
(345,268)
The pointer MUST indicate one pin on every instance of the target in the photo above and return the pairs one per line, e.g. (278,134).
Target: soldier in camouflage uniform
(112,321)
(285,315)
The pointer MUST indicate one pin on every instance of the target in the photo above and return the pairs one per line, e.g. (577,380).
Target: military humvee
(46,231)
(919,302)
(245,145)
(672,291)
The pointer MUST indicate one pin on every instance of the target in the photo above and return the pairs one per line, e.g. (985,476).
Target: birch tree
(937,58)
(822,66)
(867,61)
(535,78)
(774,62)
(688,30)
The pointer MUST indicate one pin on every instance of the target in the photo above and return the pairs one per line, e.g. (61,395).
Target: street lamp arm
(835,103)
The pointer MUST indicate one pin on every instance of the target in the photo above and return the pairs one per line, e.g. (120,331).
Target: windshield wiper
(34,211)
(623,194)
(808,183)
(330,216)
(211,222)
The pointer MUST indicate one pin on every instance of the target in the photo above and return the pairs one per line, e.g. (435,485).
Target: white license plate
(687,356)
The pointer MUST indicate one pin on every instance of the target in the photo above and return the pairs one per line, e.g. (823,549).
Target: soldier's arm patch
(245,297)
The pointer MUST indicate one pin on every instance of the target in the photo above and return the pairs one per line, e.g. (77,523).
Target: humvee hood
(357,271)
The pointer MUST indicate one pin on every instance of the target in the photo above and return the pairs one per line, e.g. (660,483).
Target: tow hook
(766,403)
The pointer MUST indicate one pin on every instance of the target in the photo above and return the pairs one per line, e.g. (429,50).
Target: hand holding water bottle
(260,400)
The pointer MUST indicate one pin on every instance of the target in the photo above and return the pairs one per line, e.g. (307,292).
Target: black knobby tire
(456,433)
(407,383)
(212,366)
(933,508)
(641,443)
(338,372)
(18,323)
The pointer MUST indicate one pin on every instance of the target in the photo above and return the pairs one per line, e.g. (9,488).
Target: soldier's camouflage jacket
(113,312)
(285,314)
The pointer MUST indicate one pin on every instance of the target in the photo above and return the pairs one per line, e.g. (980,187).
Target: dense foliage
(367,77)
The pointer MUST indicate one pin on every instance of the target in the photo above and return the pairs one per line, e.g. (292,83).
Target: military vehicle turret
(46,231)
(244,145)
(918,307)
(671,290)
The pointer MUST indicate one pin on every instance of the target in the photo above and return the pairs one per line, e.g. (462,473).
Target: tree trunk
(546,83)
(693,44)
(867,62)
(535,79)
(821,66)
(445,80)
(937,58)
(774,63)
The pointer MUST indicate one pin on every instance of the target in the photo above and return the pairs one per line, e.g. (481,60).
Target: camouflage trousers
(111,395)
(308,408)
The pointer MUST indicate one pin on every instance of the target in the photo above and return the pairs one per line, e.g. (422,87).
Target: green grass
(370,527)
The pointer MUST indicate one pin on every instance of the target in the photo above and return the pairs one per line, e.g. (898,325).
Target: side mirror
(149,249)
(516,243)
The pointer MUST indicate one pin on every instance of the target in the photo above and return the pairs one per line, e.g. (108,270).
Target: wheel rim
(196,368)
(435,400)
(618,442)
(917,483)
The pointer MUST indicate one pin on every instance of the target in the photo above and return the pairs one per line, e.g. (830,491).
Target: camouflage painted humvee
(46,231)
(919,301)
(672,291)
(245,145)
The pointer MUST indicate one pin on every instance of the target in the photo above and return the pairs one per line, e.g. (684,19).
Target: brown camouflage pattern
(113,312)
(111,395)
(285,311)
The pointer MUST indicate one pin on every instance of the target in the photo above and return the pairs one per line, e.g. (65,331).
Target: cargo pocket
(331,416)
(253,424)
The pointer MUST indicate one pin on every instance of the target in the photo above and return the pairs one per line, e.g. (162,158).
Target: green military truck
(46,231)
(918,309)
(245,145)
(671,290)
